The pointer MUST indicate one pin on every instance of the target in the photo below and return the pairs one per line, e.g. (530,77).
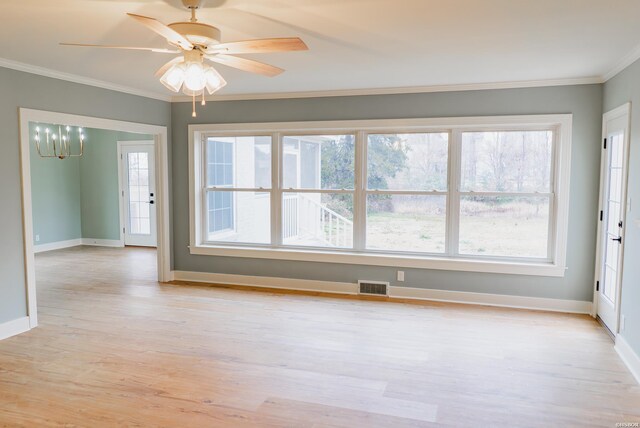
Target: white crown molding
(625,62)
(399,90)
(42,71)
(46,72)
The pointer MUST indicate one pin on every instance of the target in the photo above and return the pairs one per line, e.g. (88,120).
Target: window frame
(554,265)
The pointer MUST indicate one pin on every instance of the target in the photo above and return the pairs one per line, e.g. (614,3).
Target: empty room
(320,213)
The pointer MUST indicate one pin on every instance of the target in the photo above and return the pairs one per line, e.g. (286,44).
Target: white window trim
(560,123)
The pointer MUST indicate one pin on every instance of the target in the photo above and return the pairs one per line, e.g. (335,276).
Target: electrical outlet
(622,322)
(401,275)
(37,238)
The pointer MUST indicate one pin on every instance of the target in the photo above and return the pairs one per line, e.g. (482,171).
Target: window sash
(360,192)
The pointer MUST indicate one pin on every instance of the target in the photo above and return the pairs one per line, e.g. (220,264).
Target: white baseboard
(267,282)
(11,328)
(628,356)
(57,245)
(502,300)
(536,303)
(102,242)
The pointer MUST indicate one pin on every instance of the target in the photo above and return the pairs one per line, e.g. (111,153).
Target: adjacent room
(320,213)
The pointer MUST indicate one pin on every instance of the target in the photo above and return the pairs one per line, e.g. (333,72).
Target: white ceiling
(354,44)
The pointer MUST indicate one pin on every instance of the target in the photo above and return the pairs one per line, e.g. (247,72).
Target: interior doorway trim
(162,188)
(622,112)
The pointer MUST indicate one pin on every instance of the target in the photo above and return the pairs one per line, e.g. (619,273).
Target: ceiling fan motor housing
(198,33)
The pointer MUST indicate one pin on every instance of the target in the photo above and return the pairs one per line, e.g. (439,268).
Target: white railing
(290,215)
(325,224)
(308,220)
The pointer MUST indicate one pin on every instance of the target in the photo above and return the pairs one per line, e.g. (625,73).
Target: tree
(387,155)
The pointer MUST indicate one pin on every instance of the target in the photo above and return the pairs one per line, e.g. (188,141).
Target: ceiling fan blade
(261,46)
(171,35)
(157,50)
(245,64)
(167,66)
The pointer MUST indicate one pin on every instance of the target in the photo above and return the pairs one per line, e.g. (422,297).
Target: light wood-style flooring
(115,348)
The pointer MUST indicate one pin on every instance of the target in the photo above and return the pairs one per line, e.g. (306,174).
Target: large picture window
(483,194)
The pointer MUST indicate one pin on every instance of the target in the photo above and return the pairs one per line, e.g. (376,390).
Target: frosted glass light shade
(214,81)
(174,77)
(194,77)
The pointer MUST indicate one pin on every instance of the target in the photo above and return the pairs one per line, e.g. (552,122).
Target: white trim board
(14,327)
(77,242)
(42,71)
(519,302)
(398,90)
(57,245)
(102,242)
(628,356)
(47,72)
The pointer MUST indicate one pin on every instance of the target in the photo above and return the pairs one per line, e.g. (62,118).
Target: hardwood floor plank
(116,348)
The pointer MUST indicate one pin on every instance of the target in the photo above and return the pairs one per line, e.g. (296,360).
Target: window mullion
(276,189)
(360,197)
(453,211)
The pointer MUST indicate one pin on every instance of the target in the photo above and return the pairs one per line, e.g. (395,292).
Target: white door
(612,215)
(137,165)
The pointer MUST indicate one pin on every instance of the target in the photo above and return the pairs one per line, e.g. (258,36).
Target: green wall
(623,88)
(55,187)
(78,197)
(583,101)
(20,89)
(99,195)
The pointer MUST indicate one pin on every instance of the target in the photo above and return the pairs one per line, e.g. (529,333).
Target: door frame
(621,111)
(122,182)
(162,188)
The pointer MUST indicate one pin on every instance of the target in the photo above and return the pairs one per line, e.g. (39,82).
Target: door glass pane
(407,161)
(613,216)
(139,209)
(317,219)
(610,278)
(504,226)
(411,223)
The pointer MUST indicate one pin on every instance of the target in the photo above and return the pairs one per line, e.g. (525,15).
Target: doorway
(136,168)
(613,190)
(161,201)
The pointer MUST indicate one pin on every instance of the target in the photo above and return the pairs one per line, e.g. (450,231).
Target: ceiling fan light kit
(198,42)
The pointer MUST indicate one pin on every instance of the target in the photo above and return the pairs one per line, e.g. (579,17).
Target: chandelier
(193,77)
(58,145)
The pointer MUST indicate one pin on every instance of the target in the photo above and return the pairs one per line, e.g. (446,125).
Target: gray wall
(623,88)
(585,102)
(19,89)
(55,194)
(99,192)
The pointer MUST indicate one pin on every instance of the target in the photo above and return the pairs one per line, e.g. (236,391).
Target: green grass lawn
(497,235)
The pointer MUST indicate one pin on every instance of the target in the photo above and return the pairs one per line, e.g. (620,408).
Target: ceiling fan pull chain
(193,113)
(204,102)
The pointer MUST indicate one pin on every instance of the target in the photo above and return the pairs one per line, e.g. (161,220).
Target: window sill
(403,261)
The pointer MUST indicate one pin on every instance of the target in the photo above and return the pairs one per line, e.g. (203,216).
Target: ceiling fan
(197,42)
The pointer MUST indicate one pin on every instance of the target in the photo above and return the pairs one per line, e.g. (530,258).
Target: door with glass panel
(138,193)
(612,215)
